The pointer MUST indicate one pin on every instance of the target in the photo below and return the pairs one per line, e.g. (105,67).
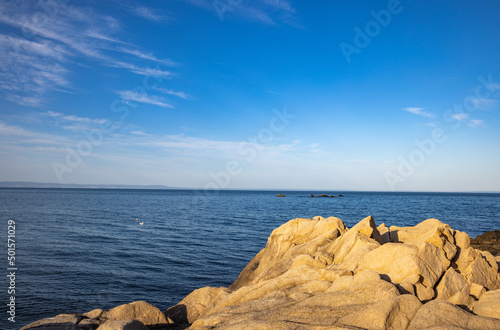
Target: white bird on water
(141,223)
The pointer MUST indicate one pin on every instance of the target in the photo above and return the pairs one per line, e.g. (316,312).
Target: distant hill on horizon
(22,184)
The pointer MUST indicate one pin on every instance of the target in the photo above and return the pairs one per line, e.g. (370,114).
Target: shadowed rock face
(489,241)
(317,274)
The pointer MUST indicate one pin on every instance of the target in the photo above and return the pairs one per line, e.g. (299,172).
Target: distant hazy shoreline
(23,184)
(20,184)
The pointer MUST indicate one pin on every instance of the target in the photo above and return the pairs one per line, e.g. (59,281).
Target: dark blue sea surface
(80,249)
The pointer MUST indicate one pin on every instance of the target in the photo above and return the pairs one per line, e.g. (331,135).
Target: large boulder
(59,322)
(409,266)
(454,288)
(294,238)
(488,304)
(139,310)
(196,304)
(123,325)
(479,267)
(439,314)
(430,231)
(354,244)
(134,316)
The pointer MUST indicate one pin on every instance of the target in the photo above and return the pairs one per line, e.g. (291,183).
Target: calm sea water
(80,249)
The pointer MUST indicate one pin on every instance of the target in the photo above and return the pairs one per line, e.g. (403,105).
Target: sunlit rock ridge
(318,274)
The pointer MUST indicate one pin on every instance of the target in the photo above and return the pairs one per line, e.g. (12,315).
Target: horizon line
(11,184)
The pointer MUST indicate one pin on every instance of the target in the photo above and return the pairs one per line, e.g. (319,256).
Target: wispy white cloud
(173,92)
(476,122)
(147,56)
(16,135)
(83,122)
(30,68)
(144,98)
(96,35)
(141,133)
(419,112)
(465,118)
(149,14)
(29,101)
(191,148)
(269,12)
(71,122)
(459,116)
(11,130)
(147,71)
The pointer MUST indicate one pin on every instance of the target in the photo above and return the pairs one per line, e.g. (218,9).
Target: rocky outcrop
(123,325)
(318,274)
(134,316)
(61,321)
(139,310)
(489,241)
(488,304)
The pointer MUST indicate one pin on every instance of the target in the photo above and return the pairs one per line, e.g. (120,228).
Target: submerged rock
(318,274)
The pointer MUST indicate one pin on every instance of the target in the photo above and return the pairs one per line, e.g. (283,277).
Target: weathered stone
(476,291)
(296,237)
(385,233)
(430,231)
(59,322)
(353,245)
(392,313)
(139,310)
(123,325)
(454,288)
(196,304)
(280,286)
(93,313)
(395,262)
(488,304)
(479,267)
(462,240)
(423,292)
(348,295)
(349,249)
(439,314)
(88,324)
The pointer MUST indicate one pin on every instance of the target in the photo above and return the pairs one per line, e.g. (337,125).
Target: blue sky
(273,94)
